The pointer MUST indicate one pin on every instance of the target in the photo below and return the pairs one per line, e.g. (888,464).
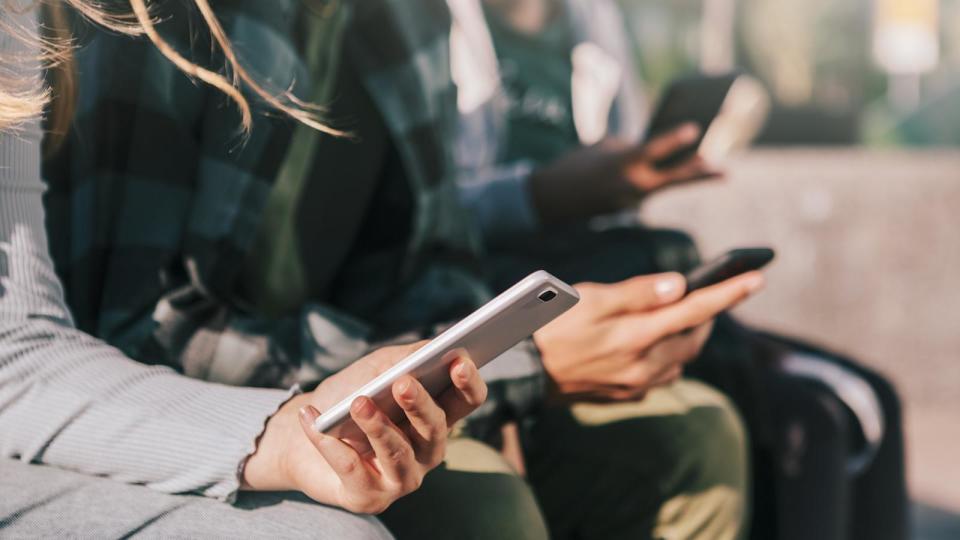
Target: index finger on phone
(703,305)
(637,294)
(693,169)
(344,459)
(669,143)
(468,392)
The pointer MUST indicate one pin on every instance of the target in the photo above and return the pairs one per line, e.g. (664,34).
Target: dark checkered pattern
(155,201)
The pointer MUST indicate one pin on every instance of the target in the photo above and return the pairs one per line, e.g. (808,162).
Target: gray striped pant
(44,502)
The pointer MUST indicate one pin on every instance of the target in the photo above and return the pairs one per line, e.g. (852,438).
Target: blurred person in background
(284,259)
(552,171)
(101,419)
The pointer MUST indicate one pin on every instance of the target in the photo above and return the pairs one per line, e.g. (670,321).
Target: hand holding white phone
(484,335)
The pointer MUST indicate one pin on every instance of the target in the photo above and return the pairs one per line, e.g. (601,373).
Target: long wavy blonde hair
(21,100)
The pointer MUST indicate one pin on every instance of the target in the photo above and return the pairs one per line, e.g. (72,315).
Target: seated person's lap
(474,494)
(672,465)
(45,502)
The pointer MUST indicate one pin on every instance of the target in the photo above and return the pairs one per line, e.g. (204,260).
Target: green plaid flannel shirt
(154,203)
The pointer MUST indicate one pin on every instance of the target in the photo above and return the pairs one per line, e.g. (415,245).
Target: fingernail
(689,132)
(755,283)
(407,390)
(666,287)
(363,407)
(309,414)
(462,371)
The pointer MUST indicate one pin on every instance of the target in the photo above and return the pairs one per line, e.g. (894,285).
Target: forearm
(73,402)
(519,197)
(499,199)
(70,400)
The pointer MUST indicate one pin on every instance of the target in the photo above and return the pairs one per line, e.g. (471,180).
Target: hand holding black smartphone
(729,265)
(730,109)
(696,99)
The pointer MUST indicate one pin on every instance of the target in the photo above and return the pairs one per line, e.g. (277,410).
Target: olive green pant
(671,466)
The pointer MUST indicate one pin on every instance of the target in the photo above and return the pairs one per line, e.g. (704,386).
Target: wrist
(552,395)
(267,469)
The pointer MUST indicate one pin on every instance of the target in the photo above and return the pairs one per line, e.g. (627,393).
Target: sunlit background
(879,72)
(855,180)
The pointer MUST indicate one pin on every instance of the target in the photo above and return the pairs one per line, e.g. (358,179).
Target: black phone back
(691,99)
(729,265)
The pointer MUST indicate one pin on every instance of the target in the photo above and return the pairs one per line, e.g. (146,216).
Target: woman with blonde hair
(100,420)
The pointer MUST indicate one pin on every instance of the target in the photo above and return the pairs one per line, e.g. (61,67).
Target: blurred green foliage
(814,56)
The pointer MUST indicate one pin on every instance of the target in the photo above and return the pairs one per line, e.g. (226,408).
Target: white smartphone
(485,334)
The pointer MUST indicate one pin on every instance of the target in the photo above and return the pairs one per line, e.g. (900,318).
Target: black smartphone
(695,99)
(730,264)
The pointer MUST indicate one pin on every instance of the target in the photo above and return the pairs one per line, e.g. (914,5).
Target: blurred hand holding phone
(729,109)
(700,121)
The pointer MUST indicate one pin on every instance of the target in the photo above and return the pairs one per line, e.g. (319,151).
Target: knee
(475,494)
(364,528)
(286,515)
(716,440)
(713,474)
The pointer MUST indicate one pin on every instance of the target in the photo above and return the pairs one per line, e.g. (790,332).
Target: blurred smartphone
(730,264)
(485,334)
(730,110)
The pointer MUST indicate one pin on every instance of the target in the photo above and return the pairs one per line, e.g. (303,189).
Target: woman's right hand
(335,473)
(624,339)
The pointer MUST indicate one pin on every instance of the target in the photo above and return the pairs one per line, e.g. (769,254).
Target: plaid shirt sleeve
(499,198)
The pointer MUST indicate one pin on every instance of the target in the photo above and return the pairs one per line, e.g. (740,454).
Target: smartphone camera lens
(547,295)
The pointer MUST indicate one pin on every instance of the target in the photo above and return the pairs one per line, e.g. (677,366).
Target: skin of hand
(612,175)
(391,463)
(624,339)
